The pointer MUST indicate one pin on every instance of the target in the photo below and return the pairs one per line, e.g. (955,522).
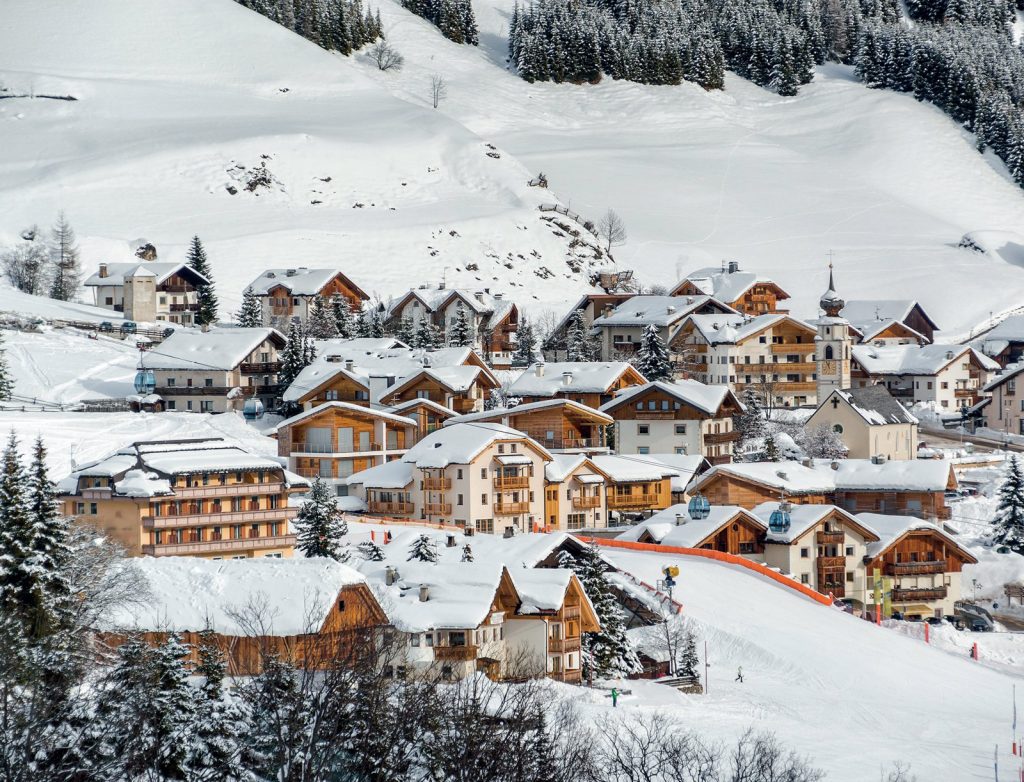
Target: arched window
(828,352)
(837,428)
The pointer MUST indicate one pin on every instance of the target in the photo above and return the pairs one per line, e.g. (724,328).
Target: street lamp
(975,584)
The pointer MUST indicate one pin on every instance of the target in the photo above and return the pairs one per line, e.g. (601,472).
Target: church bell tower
(832,355)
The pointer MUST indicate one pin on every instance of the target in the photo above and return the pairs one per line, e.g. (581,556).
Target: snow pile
(140,483)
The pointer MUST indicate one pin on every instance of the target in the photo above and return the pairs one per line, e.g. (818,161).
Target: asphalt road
(981,444)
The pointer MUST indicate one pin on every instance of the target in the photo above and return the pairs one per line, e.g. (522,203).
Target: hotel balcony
(215,518)
(455,653)
(229,490)
(511,508)
(390,508)
(918,594)
(225,545)
(508,483)
(583,503)
(437,484)
(563,645)
(437,508)
(915,568)
(825,538)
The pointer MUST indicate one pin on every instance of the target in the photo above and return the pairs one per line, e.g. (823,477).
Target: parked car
(980,626)
(168,332)
(106,326)
(129,327)
(934,620)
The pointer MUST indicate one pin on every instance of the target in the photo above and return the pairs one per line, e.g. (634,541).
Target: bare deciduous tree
(386,57)
(25,266)
(613,229)
(438,89)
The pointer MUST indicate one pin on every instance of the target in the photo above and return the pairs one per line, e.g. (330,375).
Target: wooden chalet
(461,389)
(429,416)
(590,383)
(728,529)
(560,425)
(743,291)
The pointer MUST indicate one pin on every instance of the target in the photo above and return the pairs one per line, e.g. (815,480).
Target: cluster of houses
(449,437)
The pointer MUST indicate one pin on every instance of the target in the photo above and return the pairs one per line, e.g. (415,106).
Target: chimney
(835,465)
(290,273)
(349,364)
(670,309)
(450,541)
(782,475)
(949,355)
(499,296)
(440,286)
(389,575)
(424,594)
(607,310)
(539,369)
(104,272)
(808,462)
(567,378)
(680,519)
(479,296)
(734,266)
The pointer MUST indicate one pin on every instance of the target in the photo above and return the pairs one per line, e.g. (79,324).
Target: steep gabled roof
(588,377)
(218,348)
(725,285)
(1011,372)
(734,329)
(458,379)
(874,404)
(659,310)
(302,281)
(915,359)
(803,518)
(497,413)
(708,399)
(460,444)
(347,407)
(892,529)
(674,526)
(864,313)
(117,272)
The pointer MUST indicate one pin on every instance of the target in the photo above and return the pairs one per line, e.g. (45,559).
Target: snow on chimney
(104,272)
(734,266)
(389,575)
(290,273)
(424,594)
(567,378)
(450,541)
(680,519)
(670,309)
(349,364)
(539,369)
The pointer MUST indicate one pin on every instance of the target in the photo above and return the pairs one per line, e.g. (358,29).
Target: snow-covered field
(888,184)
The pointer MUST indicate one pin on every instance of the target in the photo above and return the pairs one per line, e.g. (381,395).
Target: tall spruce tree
(319,525)
(17,535)
(206,298)
(689,662)
(406,331)
(344,324)
(1008,523)
(250,315)
(750,423)
(217,739)
(526,344)
(460,332)
(579,345)
(771,449)
(653,358)
(67,270)
(321,323)
(6,381)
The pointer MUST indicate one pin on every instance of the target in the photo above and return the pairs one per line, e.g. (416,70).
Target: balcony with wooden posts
(322,448)
(228,490)
(574,676)
(827,537)
(436,484)
(633,501)
(390,508)
(182,307)
(913,594)
(805,348)
(915,568)
(223,518)
(585,503)
(437,508)
(511,482)
(511,508)
(259,367)
(455,653)
(563,645)
(831,563)
(720,438)
(565,441)
(223,545)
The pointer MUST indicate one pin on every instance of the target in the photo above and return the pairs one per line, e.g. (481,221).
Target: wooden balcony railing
(914,568)
(571,612)
(214,546)
(510,508)
(222,518)
(390,508)
(831,563)
(509,482)
(437,484)
(633,501)
(923,593)
(259,367)
(824,537)
(711,438)
(563,645)
(314,472)
(437,508)
(305,447)
(455,653)
(792,347)
(228,490)
(582,503)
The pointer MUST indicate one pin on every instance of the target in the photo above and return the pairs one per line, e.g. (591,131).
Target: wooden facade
(761,298)
(639,496)
(283,304)
(341,387)
(591,398)
(426,386)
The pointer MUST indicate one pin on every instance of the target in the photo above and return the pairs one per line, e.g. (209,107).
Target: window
(849,576)
(110,301)
(643,429)
(171,404)
(341,606)
(331,396)
(746,547)
(837,428)
(680,428)
(483,499)
(485,525)
(805,553)
(576,520)
(483,473)
(208,382)
(458,499)
(849,551)
(805,578)
(170,382)
(414,640)
(458,476)
(643,450)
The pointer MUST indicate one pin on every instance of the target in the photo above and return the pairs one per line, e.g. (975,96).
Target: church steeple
(831,301)
(833,343)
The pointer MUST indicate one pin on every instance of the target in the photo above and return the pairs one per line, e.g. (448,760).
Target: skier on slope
(739,675)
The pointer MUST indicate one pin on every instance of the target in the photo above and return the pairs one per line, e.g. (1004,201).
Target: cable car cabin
(145,382)
(253,409)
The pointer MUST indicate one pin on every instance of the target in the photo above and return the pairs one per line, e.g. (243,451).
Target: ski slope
(853,696)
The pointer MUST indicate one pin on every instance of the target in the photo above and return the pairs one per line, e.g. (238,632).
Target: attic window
(341,606)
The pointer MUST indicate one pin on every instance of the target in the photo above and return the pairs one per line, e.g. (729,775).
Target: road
(942,436)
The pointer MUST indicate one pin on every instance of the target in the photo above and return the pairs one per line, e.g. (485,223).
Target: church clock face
(828,367)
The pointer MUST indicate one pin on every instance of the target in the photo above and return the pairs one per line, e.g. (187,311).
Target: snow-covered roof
(117,272)
(460,444)
(316,374)
(562,465)
(390,475)
(915,359)
(682,466)
(659,310)
(496,307)
(588,377)
(300,281)
(458,379)
(540,589)
(708,399)
(925,475)
(732,329)
(804,518)
(866,314)
(874,404)
(498,413)
(626,469)
(216,349)
(673,526)
(725,285)
(189,593)
(403,407)
(140,483)
(996,340)
(871,330)
(1011,371)
(348,407)
(891,528)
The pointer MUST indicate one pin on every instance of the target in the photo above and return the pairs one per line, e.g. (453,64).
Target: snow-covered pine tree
(250,315)
(6,381)
(771,449)
(422,550)
(321,323)
(750,423)
(526,344)
(406,331)
(1008,522)
(319,525)
(652,359)
(344,324)
(370,551)
(467,553)
(361,327)
(172,710)
(16,537)
(216,753)
(297,354)
(689,662)
(427,334)
(206,298)
(608,652)
(375,327)
(579,345)
(67,270)
(460,332)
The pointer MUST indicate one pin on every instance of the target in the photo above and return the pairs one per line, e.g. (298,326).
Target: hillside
(164,117)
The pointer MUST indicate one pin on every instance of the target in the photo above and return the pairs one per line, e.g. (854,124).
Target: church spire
(831,301)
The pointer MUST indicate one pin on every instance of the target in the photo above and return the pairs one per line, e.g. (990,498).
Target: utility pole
(706,666)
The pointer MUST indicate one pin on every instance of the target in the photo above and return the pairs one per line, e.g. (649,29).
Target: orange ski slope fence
(720,556)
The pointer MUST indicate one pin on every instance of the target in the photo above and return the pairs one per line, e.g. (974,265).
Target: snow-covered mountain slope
(174,98)
(370,177)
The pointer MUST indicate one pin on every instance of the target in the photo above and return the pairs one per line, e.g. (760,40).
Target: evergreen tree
(322,323)
(460,333)
(6,381)
(427,335)
(609,651)
(370,551)
(653,358)
(406,331)
(526,344)
(422,550)
(206,298)
(1008,523)
(218,720)
(296,355)
(320,526)
(467,553)
(750,423)
(172,710)
(579,345)
(67,270)
(17,535)
(689,662)
(375,327)
(250,315)
(362,323)
(344,324)
(771,450)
